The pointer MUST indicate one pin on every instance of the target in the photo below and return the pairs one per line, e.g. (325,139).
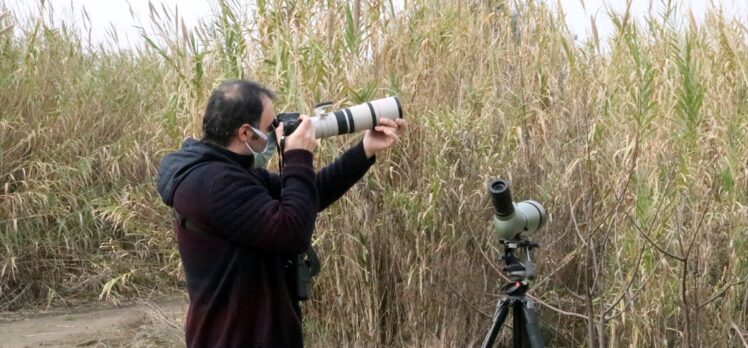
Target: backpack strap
(183,222)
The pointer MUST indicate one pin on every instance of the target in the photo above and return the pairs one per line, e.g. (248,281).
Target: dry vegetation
(638,152)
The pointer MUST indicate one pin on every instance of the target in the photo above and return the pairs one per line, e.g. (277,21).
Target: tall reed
(638,152)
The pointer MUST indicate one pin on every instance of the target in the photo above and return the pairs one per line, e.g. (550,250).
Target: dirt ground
(144,324)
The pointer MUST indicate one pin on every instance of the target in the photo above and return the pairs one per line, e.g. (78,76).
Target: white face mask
(262,158)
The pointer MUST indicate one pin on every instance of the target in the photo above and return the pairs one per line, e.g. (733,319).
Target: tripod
(526,325)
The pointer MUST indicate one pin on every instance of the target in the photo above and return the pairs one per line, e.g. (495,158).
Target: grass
(637,152)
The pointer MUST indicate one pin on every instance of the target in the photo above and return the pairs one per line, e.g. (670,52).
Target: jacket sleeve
(244,211)
(337,178)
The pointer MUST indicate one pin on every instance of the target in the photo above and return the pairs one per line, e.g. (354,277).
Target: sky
(105,15)
(579,12)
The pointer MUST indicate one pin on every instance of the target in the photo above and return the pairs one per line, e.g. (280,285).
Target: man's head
(238,114)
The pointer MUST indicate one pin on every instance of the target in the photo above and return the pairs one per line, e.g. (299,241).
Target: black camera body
(290,121)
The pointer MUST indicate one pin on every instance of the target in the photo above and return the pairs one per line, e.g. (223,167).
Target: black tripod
(526,326)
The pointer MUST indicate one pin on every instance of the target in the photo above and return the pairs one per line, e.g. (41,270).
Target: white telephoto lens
(356,118)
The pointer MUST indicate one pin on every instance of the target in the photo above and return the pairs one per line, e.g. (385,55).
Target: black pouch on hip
(306,266)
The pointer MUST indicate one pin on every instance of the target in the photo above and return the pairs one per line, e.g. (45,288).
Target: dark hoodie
(253,221)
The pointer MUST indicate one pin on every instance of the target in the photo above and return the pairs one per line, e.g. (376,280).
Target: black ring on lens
(351,125)
(373,115)
(342,125)
(399,108)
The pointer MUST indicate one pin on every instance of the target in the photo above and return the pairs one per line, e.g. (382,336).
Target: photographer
(238,226)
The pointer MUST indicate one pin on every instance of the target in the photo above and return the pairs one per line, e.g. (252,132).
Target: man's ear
(246,130)
(243,132)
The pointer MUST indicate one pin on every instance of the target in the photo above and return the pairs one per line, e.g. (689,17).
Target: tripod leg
(502,309)
(532,324)
(519,334)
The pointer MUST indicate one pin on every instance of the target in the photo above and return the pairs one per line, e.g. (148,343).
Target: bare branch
(655,245)
(568,258)
(576,225)
(556,309)
(720,293)
(739,332)
(637,292)
(707,209)
(492,264)
(469,303)
(628,286)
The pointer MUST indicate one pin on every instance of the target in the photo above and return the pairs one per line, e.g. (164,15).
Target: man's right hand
(303,137)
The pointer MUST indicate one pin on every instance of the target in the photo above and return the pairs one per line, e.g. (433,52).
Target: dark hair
(232,104)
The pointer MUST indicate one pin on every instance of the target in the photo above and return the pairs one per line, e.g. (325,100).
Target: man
(241,224)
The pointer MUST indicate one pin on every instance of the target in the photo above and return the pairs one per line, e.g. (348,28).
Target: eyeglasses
(260,133)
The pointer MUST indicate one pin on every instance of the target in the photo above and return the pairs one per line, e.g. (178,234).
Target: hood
(175,166)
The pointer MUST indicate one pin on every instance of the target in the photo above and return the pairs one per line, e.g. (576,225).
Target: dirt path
(157,323)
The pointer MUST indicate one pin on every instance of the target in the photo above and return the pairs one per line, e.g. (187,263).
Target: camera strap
(281,147)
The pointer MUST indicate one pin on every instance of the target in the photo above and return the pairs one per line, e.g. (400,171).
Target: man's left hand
(383,136)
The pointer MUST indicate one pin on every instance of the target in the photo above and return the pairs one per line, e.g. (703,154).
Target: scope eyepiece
(501,197)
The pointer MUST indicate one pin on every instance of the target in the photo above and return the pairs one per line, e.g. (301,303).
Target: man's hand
(383,136)
(302,138)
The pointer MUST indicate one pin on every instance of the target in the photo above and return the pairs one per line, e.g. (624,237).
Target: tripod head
(519,267)
(519,270)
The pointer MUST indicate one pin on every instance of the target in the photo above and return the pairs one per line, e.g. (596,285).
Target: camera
(345,121)
(513,220)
